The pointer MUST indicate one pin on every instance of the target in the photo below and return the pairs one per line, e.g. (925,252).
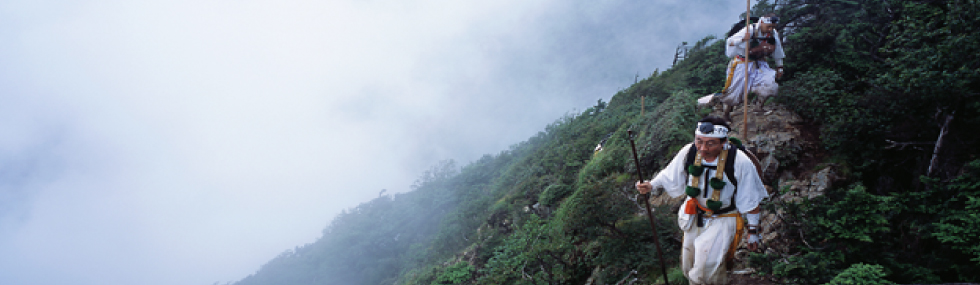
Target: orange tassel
(691,207)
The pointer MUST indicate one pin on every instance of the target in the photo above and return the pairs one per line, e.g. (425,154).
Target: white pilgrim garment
(762,79)
(703,253)
(734,46)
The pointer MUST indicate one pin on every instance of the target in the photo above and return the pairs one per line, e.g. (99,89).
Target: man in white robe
(764,42)
(709,234)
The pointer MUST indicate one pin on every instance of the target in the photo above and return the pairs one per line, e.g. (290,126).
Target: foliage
(959,222)
(375,240)
(874,75)
(554,193)
(817,95)
(456,274)
(850,226)
(861,274)
(704,69)
(528,256)
(672,130)
(935,239)
(869,74)
(962,230)
(674,275)
(858,216)
(813,267)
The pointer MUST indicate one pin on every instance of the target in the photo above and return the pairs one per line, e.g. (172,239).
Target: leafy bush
(861,274)
(814,267)
(675,274)
(532,252)
(456,274)
(858,216)
(815,95)
(844,227)
(960,226)
(553,194)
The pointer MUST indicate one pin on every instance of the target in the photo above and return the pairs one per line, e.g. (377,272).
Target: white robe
(762,79)
(734,46)
(703,253)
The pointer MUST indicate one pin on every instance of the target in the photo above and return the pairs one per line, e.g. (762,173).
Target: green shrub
(861,274)
(859,216)
(675,274)
(960,226)
(553,194)
(456,274)
(813,267)
(815,95)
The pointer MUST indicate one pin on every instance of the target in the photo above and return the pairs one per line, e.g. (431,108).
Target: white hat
(707,129)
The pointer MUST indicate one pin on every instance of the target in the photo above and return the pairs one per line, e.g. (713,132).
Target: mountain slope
(879,96)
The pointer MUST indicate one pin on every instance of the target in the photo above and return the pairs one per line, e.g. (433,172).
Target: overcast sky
(189,142)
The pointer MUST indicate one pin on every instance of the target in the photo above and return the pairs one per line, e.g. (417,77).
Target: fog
(189,142)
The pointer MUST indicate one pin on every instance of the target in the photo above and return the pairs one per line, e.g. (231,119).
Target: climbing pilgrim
(764,42)
(721,183)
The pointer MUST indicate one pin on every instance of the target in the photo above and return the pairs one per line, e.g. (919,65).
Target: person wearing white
(765,29)
(710,230)
(764,42)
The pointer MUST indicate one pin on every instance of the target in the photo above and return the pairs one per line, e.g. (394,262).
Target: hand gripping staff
(646,202)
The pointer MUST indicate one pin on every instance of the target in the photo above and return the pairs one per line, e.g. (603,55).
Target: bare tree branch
(933,164)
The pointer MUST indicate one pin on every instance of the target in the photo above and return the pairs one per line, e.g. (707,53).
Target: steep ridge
(862,189)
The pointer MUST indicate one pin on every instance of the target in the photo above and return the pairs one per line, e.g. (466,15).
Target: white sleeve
(751,191)
(778,54)
(734,45)
(673,177)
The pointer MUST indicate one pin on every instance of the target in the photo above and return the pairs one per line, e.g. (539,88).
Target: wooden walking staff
(646,201)
(745,109)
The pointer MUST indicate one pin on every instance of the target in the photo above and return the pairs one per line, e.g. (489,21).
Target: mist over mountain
(453,142)
(140,139)
(867,150)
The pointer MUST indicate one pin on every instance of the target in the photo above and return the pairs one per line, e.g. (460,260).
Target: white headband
(765,20)
(707,129)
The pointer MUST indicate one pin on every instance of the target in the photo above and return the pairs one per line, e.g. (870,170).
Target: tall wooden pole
(745,110)
(642,105)
(646,202)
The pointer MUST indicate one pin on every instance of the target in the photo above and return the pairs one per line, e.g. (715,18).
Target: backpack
(739,25)
(729,167)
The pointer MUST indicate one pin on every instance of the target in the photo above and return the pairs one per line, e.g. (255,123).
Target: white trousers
(703,254)
(762,81)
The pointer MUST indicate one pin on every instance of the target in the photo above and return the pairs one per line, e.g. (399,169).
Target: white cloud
(164,142)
